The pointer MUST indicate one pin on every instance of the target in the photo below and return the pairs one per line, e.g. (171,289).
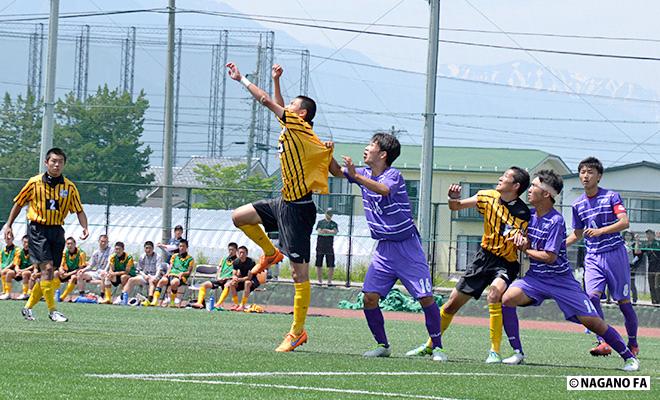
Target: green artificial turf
(47,360)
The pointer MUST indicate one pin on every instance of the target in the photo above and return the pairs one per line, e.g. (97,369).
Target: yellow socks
(445,321)
(495,311)
(156,296)
(26,287)
(172,298)
(108,294)
(67,291)
(258,236)
(223,296)
(48,293)
(301,301)
(56,283)
(201,295)
(244,301)
(234,299)
(4,285)
(35,296)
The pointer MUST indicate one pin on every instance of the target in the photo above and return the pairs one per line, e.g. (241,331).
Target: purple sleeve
(358,171)
(392,179)
(556,236)
(577,222)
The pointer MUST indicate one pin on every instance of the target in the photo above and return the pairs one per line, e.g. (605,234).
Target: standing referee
(51,198)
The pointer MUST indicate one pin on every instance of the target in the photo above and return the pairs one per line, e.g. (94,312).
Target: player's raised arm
(277,93)
(349,171)
(454,198)
(255,91)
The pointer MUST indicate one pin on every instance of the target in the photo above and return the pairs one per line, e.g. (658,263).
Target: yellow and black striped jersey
(501,220)
(304,158)
(51,199)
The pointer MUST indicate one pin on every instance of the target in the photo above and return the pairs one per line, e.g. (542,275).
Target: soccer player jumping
(304,163)
(550,275)
(599,216)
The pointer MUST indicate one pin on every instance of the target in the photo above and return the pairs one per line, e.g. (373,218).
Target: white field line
(312,373)
(301,388)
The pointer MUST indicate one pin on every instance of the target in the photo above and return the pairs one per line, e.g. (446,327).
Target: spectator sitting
(225,273)
(120,269)
(7,260)
(97,269)
(149,271)
(172,245)
(181,265)
(20,270)
(74,261)
(242,279)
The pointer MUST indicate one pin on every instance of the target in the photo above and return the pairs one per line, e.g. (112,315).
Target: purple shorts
(563,289)
(403,260)
(610,268)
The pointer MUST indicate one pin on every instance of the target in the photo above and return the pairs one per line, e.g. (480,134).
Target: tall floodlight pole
(429,121)
(49,98)
(169,127)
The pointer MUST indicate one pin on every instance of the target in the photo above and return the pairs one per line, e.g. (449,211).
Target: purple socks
(595,300)
(511,327)
(376,324)
(615,341)
(631,322)
(432,315)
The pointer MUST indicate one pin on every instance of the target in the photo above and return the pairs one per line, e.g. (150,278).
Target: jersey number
(426,285)
(52,204)
(590,307)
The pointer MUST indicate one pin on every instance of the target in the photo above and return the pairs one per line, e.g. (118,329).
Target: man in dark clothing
(326,230)
(652,251)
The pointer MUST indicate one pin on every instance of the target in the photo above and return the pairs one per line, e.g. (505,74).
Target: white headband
(549,189)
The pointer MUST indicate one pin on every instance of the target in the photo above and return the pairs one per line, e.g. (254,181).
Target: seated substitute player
(304,163)
(21,269)
(550,275)
(74,261)
(97,269)
(599,216)
(181,265)
(399,254)
(225,273)
(7,259)
(242,280)
(496,263)
(148,272)
(120,269)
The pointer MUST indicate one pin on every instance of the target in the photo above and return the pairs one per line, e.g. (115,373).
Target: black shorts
(329,260)
(485,268)
(255,284)
(46,243)
(294,220)
(116,282)
(182,281)
(218,283)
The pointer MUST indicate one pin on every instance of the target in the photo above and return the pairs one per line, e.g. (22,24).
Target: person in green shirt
(6,260)
(181,265)
(225,272)
(21,269)
(74,261)
(326,230)
(120,269)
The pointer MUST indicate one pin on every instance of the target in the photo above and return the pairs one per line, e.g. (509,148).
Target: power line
(40,17)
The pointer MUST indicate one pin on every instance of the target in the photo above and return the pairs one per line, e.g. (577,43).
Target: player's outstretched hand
(454,191)
(85,234)
(519,240)
(592,232)
(234,73)
(349,166)
(277,71)
(329,144)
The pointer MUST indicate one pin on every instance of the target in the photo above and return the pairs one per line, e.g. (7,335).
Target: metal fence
(132,214)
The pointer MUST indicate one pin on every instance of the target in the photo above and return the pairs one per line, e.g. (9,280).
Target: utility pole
(49,100)
(429,121)
(253,124)
(169,125)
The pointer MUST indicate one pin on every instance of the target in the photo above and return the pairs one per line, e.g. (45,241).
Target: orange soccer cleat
(292,341)
(265,262)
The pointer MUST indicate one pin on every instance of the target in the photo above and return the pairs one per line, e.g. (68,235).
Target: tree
(101,136)
(20,127)
(235,186)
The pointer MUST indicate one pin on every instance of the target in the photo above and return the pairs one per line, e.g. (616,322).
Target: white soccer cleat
(23,297)
(420,351)
(516,359)
(57,316)
(5,296)
(493,358)
(380,351)
(438,354)
(27,314)
(631,365)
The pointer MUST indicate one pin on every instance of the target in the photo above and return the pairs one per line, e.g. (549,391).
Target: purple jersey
(389,217)
(548,233)
(597,212)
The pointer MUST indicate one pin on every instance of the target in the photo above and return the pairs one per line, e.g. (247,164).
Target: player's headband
(548,189)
